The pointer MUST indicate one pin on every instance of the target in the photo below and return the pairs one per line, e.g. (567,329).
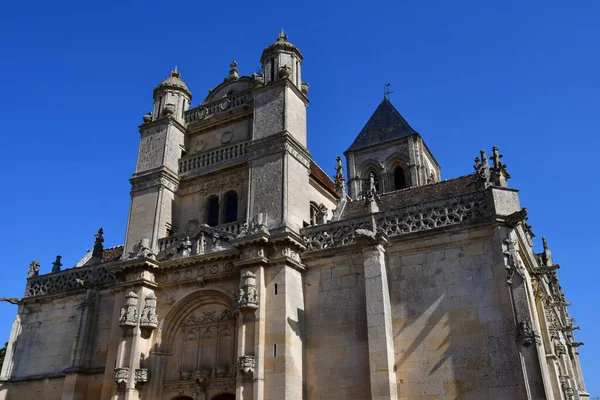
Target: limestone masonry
(248,273)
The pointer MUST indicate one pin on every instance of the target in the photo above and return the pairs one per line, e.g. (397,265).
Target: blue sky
(522,75)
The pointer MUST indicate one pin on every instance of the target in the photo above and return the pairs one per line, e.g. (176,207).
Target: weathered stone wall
(454,331)
(336,351)
(43,389)
(318,195)
(46,340)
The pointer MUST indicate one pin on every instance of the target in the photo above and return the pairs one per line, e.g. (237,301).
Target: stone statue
(56,264)
(34,268)
(187,247)
(98,246)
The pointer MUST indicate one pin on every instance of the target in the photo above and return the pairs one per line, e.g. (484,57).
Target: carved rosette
(149,319)
(247,299)
(121,375)
(129,315)
(246,365)
(141,375)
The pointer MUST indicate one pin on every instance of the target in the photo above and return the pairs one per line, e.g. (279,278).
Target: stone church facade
(248,273)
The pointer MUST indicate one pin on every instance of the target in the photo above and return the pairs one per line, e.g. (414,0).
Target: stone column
(379,320)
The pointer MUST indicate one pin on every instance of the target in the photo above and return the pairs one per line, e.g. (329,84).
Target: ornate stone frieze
(129,314)
(246,365)
(207,111)
(206,318)
(404,221)
(64,281)
(512,260)
(200,273)
(247,298)
(121,375)
(149,319)
(141,375)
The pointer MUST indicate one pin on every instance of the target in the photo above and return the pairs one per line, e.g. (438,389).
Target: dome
(174,81)
(283,44)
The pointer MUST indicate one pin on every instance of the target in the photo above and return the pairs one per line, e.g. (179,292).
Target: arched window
(231,207)
(399,178)
(314,210)
(212,211)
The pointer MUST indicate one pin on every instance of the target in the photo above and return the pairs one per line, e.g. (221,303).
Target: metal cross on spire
(387,91)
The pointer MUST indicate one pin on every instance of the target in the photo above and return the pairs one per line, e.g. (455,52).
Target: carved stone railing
(403,221)
(64,281)
(213,157)
(206,111)
(231,227)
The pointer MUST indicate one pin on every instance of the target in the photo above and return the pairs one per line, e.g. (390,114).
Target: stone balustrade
(209,158)
(93,275)
(417,218)
(206,111)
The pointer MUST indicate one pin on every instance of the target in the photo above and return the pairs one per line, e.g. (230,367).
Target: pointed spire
(282,37)
(339,179)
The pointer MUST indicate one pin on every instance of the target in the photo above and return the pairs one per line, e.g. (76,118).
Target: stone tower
(155,181)
(390,149)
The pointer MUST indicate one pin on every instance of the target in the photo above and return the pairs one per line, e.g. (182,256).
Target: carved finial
(34,268)
(339,179)
(175,73)
(282,37)
(56,264)
(98,246)
(499,174)
(233,72)
(545,242)
(482,170)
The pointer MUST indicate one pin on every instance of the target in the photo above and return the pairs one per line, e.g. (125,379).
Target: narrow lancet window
(399,178)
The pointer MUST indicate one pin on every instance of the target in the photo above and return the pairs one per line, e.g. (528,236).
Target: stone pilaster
(379,321)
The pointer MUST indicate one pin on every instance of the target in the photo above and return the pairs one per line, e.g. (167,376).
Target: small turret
(282,60)
(171,98)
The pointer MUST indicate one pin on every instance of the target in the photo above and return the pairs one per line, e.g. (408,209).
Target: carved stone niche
(149,319)
(246,365)
(141,375)
(247,299)
(129,317)
(121,375)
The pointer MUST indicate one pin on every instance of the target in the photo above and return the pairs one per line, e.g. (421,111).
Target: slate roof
(385,124)
(320,176)
(415,195)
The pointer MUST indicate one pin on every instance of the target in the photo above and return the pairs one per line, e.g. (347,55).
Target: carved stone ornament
(339,179)
(141,375)
(284,72)
(483,172)
(304,87)
(169,109)
(566,386)
(560,349)
(246,365)
(142,250)
(526,335)
(56,264)
(372,191)
(233,72)
(129,317)
(258,224)
(247,299)
(147,118)
(149,319)
(513,261)
(121,375)
(34,268)
(499,174)
(98,245)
